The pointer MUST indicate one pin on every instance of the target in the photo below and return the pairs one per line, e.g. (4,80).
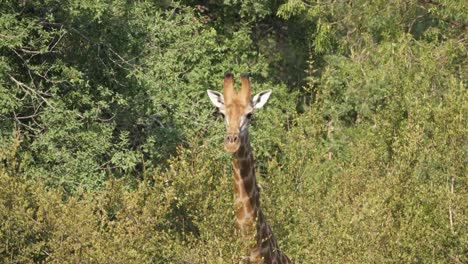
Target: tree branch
(447,20)
(30,90)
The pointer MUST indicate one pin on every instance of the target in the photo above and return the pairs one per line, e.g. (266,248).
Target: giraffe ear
(216,98)
(261,98)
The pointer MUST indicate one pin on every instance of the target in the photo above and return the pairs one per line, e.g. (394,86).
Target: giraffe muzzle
(231,142)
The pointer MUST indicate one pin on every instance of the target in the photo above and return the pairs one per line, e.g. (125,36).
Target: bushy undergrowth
(368,193)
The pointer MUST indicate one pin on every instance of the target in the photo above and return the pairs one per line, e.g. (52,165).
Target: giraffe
(237,109)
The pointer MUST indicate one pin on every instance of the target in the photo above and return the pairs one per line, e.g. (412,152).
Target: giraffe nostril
(232,138)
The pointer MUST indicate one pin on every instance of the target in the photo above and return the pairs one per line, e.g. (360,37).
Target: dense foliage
(110,151)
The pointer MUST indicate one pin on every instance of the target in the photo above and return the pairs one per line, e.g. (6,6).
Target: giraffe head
(237,108)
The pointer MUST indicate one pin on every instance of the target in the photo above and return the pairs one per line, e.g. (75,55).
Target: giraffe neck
(249,217)
(245,187)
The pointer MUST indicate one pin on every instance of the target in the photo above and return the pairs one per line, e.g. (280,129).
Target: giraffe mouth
(231,148)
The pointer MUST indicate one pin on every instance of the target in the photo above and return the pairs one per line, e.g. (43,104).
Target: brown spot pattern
(266,249)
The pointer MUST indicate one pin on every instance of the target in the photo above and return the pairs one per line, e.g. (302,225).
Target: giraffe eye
(249,116)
